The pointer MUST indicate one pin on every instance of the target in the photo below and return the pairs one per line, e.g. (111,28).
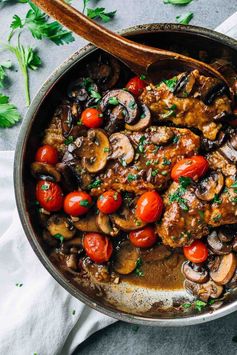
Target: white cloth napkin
(37,316)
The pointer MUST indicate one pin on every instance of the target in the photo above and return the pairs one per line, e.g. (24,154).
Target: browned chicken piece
(183,220)
(190,100)
(224,212)
(54,135)
(155,152)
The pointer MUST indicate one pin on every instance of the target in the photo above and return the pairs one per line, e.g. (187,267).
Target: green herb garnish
(186,305)
(217,217)
(154,172)
(106,149)
(113,101)
(166,161)
(84,203)
(19,285)
(185,18)
(185,181)
(171,83)
(69,140)
(94,184)
(138,270)
(177,2)
(99,13)
(141,144)
(217,199)
(143,77)
(95,95)
(3,66)
(131,177)
(59,237)
(8,113)
(44,187)
(199,305)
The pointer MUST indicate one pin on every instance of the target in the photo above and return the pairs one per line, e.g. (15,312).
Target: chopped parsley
(73,312)
(44,187)
(186,305)
(59,237)
(123,162)
(217,217)
(84,203)
(177,195)
(99,13)
(154,172)
(217,199)
(199,305)
(177,2)
(201,214)
(113,101)
(95,95)
(19,285)
(106,149)
(143,77)
(94,184)
(131,177)
(175,139)
(185,18)
(69,140)
(138,270)
(132,104)
(166,161)
(234,185)
(141,144)
(171,83)
(185,181)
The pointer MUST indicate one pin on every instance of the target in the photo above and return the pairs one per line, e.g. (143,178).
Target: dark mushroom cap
(184,85)
(194,272)
(218,246)
(43,171)
(210,186)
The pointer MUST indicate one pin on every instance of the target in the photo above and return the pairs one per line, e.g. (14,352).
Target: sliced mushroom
(195,273)
(233,282)
(229,149)
(127,221)
(105,71)
(87,224)
(60,225)
(80,89)
(217,245)
(94,151)
(184,85)
(204,291)
(44,171)
(105,225)
(69,180)
(126,258)
(144,121)
(227,233)
(209,145)
(161,135)
(209,187)
(67,119)
(121,148)
(115,121)
(226,269)
(72,261)
(124,98)
(212,88)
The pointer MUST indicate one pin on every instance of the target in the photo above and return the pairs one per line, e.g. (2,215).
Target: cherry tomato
(136,85)
(143,238)
(197,252)
(77,203)
(47,154)
(49,195)
(98,247)
(149,207)
(92,118)
(109,201)
(193,167)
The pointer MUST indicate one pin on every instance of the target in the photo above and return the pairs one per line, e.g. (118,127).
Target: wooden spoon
(140,59)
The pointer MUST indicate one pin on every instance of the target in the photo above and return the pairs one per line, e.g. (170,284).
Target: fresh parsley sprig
(3,66)
(99,13)
(8,112)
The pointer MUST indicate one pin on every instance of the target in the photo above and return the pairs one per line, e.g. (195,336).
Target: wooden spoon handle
(128,51)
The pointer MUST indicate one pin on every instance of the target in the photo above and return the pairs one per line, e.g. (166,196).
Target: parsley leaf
(177,2)
(131,177)
(138,270)
(199,305)
(94,184)
(59,237)
(84,203)
(3,66)
(185,18)
(99,13)
(8,113)
(171,83)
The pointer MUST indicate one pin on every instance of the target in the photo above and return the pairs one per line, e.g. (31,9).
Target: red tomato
(47,154)
(49,195)
(109,201)
(98,247)
(92,118)
(149,207)
(193,167)
(77,203)
(136,85)
(143,238)
(197,252)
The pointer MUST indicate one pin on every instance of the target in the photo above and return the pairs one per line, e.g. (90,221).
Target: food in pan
(131,174)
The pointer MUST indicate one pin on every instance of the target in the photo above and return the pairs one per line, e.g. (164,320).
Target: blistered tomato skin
(197,252)
(194,167)
(92,118)
(98,247)
(49,195)
(136,85)
(144,238)
(77,203)
(149,207)
(109,202)
(47,154)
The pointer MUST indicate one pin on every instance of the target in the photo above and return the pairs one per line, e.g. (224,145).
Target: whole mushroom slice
(195,273)
(184,85)
(127,221)
(95,150)
(87,224)
(211,88)
(229,149)
(45,171)
(69,180)
(124,98)
(217,245)
(121,148)
(60,225)
(226,269)
(125,260)
(204,291)
(209,187)
(144,121)
(67,119)
(105,225)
